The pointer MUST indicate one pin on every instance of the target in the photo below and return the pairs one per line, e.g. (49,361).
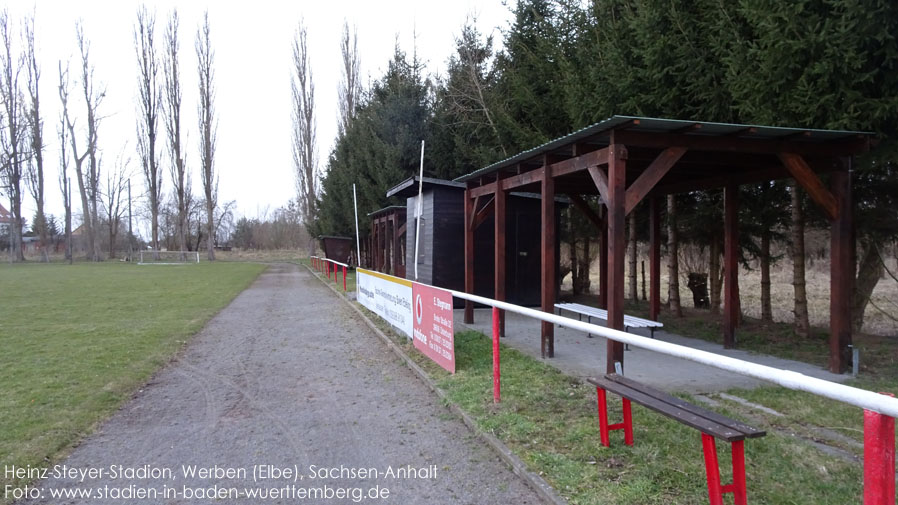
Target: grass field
(549,420)
(79,340)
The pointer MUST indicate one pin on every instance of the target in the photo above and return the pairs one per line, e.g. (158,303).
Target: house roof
(409,187)
(5,215)
(598,134)
(388,210)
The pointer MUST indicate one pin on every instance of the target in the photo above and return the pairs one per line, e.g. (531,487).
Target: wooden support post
(389,232)
(655,258)
(396,248)
(841,274)
(731,306)
(617,249)
(469,256)
(499,211)
(547,278)
(603,261)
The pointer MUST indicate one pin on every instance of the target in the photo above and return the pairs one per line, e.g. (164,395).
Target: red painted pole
(496,372)
(344,278)
(739,487)
(879,458)
(603,417)
(628,422)
(715,494)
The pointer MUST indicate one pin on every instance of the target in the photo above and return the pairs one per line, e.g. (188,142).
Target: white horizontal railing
(864,399)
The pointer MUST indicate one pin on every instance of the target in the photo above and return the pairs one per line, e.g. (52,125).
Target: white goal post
(151,257)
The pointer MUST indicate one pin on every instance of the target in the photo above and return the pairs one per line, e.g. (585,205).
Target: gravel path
(287,376)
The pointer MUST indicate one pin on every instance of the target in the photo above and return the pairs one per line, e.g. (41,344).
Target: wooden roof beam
(651,175)
(600,179)
(480,215)
(737,144)
(686,129)
(801,171)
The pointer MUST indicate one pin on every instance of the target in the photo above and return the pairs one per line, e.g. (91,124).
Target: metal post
(344,278)
(419,209)
(358,247)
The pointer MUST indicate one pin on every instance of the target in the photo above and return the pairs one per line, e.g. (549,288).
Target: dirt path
(287,376)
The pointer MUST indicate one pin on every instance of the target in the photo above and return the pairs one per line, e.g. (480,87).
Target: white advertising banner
(387,296)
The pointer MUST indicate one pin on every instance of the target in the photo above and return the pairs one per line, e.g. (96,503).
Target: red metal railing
(325,266)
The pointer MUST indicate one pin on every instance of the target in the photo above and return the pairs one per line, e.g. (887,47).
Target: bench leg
(715,489)
(605,428)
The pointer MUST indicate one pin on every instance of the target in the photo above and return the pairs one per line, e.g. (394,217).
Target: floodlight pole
(419,209)
(358,247)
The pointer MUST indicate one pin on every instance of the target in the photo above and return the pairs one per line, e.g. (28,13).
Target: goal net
(150,257)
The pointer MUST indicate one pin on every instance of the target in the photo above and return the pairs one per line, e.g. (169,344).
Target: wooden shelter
(441,247)
(626,160)
(386,242)
(337,248)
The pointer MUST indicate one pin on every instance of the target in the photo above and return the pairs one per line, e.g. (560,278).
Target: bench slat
(723,431)
(630,321)
(749,431)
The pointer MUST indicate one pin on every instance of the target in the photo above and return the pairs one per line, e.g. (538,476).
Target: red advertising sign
(432,324)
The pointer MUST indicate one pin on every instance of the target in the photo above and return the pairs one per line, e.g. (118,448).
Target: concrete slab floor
(578,355)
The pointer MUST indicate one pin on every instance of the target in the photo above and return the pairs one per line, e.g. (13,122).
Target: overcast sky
(252,44)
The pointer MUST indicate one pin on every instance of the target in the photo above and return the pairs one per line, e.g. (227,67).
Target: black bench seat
(711,424)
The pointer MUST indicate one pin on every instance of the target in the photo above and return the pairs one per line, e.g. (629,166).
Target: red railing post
(496,371)
(879,458)
(344,278)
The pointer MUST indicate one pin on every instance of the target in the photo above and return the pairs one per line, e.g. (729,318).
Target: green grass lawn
(549,420)
(78,340)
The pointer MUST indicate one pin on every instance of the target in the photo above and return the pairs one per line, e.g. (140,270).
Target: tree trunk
(583,267)
(714,278)
(802,325)
(210,231)
(870,270)
(766,306)
(572,252)
(673,265)
(631,254)
(111,243)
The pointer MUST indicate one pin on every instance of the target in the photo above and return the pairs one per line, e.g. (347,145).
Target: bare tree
(65,185)
(208,127)
(350,86)
(69,125)
(802,324)
(171,105)
(147,123)
(305,161)
(116,180)
(673,265)
(35,169)
(12,141)
(467,92)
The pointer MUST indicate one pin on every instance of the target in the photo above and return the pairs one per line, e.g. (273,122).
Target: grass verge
(549,420)
(79,340)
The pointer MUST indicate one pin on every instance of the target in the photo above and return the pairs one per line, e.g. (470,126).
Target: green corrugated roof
(657,125)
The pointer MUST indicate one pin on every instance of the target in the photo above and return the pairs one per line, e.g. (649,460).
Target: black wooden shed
(441,249)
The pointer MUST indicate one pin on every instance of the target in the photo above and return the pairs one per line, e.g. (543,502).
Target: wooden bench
(711,424)
(591,312)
